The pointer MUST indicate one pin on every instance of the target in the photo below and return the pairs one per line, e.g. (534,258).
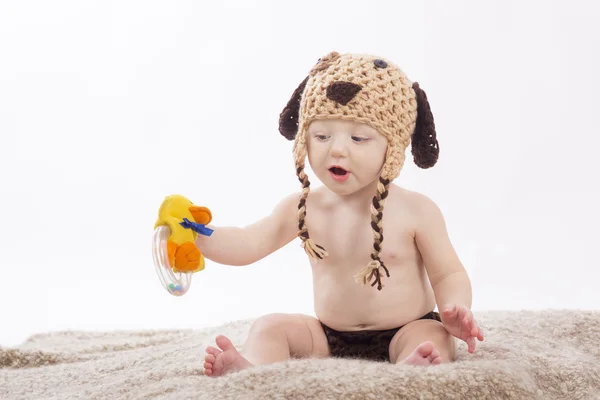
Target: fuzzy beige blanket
(552,354)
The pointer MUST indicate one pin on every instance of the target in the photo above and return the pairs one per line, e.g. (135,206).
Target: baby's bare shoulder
(418,204)
(406,197)
(288,205)
(282,220)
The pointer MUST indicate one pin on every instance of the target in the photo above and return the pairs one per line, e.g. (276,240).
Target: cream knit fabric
(384,100)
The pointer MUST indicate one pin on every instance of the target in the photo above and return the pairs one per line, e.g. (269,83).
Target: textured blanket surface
(551,354)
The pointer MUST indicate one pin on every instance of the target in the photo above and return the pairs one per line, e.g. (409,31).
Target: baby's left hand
(459,322)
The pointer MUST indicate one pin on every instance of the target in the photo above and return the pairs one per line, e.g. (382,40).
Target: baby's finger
(471,343)
(476,330)
(466,314)
(474,327)
(466,324)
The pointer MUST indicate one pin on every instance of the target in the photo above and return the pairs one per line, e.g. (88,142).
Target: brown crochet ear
(425,147)
(288,119)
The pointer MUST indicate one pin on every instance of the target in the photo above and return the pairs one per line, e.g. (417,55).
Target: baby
(353,118)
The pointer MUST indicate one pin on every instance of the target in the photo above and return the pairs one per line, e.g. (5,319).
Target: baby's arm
(448,277)
(243,246)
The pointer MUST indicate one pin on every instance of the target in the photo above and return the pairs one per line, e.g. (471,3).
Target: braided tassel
(310,247)
(314,250)
(372,271)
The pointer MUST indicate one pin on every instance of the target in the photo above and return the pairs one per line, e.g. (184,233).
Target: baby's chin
(345,192)
(344,189)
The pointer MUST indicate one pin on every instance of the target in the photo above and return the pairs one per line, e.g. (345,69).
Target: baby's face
(345,155)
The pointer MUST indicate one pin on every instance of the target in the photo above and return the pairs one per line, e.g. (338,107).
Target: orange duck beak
(201,215)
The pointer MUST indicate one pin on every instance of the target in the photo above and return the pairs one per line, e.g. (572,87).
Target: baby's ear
(288,119)
(425,147)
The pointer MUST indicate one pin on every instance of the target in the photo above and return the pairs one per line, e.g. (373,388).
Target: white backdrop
(108,106)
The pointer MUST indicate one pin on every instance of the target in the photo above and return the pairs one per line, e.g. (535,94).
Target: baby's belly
(344,305)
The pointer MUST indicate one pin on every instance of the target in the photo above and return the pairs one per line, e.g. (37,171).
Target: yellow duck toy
(186,221)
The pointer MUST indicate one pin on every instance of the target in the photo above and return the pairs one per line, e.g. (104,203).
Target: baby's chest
(351,239)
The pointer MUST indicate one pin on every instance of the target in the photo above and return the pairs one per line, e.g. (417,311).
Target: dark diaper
(367,345)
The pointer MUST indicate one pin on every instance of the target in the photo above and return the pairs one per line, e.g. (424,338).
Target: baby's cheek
(373,163)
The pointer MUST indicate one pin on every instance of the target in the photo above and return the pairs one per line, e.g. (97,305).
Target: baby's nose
(339,149)
(342,92)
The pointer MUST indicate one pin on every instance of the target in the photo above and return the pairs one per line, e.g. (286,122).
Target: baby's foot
(228,359)
(425,354)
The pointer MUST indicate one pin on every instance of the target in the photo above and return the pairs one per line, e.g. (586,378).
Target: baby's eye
(321,137)
(359,139)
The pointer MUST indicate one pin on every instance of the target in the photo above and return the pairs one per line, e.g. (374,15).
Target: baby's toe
(425,349)
(210,358)
(211,350)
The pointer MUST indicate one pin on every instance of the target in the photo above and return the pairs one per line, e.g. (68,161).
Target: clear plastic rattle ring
(176,283)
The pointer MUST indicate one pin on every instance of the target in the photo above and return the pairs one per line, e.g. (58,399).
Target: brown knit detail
(342,92)
(310,247)
(371,271)
(425,147)
(324,62)
(288,119)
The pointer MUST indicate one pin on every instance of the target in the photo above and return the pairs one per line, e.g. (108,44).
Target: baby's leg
(422,342)
(272,338)
(278,337)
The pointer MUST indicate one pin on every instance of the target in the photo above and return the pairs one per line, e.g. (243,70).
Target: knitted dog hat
(370,90)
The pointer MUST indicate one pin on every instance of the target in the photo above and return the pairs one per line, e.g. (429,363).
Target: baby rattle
(176,256)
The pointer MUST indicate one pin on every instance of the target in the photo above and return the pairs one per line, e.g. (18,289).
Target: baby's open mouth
(338,171)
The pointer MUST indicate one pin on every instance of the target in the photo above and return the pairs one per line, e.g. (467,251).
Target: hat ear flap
(425,147)
(288,119)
